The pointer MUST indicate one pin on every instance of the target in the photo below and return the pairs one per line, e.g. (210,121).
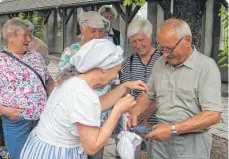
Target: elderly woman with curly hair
(24,81)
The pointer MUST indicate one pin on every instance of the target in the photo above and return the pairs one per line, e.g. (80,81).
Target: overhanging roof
(15,6)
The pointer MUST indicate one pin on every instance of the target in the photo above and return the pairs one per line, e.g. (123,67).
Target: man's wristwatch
(174,131)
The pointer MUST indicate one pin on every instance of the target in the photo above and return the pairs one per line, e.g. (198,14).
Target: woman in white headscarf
(92,26)
(70,128)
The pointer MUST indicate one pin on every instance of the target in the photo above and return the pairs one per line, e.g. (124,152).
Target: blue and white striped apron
(35,148)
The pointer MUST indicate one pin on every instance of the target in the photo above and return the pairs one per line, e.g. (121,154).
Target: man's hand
(11,113)
(161,132)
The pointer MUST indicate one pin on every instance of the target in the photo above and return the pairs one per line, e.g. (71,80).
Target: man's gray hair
(12,26)
(139,26)
(181,27)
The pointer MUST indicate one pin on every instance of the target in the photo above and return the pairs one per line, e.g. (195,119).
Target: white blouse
(72,102)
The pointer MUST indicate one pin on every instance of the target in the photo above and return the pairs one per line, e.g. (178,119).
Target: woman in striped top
(138,66)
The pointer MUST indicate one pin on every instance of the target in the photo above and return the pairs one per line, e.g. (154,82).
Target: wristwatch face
(174,130)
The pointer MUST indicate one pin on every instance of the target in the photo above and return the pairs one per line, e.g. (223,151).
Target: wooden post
(64,19)
(152,17)
(55,29)
(208,28)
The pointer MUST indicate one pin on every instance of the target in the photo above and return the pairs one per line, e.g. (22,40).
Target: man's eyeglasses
(169,50)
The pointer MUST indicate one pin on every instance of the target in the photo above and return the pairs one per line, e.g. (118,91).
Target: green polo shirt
(184,91)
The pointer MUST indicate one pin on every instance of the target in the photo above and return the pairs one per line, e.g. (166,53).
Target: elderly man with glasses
(185,85)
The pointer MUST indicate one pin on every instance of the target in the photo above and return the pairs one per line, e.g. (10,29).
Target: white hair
(30,25)
(108,9)
(12,26)
(181,27)
(139,26)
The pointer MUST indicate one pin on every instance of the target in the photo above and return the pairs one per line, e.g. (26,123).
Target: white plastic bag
(127,144)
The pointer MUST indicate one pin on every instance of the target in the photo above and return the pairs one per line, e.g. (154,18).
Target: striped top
(138,70)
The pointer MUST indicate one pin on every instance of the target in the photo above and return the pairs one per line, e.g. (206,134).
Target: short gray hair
(12,26)
(66,74)
(138,26)
(29,24)
(181,27)
(108,9)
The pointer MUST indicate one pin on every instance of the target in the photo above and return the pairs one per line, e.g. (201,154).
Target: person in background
(92,26)
(70,128)
(114,35)
(186,87)
(23,80)
(38,45)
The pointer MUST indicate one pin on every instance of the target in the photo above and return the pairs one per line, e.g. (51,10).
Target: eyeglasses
(169,50)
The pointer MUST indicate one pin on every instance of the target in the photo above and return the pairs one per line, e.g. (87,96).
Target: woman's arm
(94,138)
(11,113)
(50,85)
(110,98)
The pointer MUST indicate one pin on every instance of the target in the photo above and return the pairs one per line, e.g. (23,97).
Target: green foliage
(22,16)
(60,26)
(38,22)
(137,2)
(223,61)
(37,19)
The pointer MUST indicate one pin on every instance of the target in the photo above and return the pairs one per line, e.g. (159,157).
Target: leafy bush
(37,19)
(223,61)
(137,2)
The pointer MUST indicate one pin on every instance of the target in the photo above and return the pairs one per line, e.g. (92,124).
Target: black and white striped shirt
(136,70)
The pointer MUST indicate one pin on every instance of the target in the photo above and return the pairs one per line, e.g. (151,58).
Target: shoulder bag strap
(17,59)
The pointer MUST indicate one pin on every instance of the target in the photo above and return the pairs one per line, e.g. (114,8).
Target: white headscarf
(94,19)
(97,53)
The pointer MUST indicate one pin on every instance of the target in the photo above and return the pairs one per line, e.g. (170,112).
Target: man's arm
(109,99)
(143,103)
(200,121)
(203,120)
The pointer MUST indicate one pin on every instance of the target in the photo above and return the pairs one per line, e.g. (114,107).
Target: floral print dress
(20,87)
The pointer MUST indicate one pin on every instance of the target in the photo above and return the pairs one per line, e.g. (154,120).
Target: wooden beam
(98,7)
(69,15)
(64,25)
(120,11)
(152,16)
(85,9)
(15,14)
(55,28)
(92,8)
(60,12)
(10,16)
(167,12)
(133,13)
(223,2)
(46,16)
